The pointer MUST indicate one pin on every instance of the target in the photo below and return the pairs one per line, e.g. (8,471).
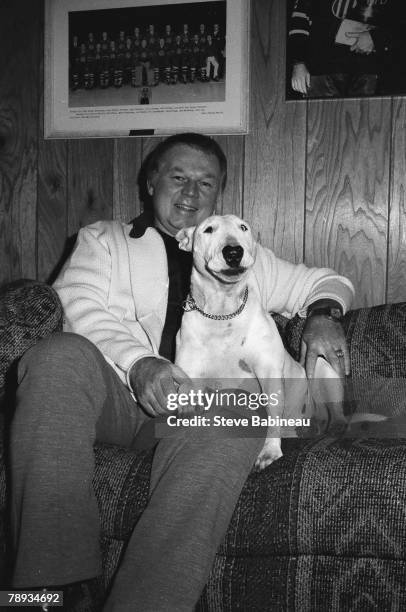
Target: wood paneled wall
(320,181)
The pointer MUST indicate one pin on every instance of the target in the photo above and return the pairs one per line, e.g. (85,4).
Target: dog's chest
(210,348)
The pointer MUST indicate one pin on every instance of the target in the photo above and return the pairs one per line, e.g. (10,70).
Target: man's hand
(152,379)
(300,78)
(363,42)
(324,336)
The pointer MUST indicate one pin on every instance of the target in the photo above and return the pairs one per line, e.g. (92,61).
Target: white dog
(225,331)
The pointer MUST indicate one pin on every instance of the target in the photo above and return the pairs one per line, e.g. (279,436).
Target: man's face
(185,188)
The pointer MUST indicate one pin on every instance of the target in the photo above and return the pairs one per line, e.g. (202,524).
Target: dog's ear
(185,238)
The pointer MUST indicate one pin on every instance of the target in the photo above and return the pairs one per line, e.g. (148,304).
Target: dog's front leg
(273,387)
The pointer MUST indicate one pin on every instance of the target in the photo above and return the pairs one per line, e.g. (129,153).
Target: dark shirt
(179,270)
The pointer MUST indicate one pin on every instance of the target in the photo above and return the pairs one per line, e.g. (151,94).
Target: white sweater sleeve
(83,287)
(289,288)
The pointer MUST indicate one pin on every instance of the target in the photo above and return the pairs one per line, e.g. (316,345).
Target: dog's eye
(244,227)
(208,230)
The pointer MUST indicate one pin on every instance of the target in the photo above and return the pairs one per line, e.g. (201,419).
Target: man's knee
(56,378)
(56,353)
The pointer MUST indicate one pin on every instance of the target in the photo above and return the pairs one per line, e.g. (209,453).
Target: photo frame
(103,80)
(338,49)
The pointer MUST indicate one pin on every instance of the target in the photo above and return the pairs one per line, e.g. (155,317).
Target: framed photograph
(343,49)
(142,67)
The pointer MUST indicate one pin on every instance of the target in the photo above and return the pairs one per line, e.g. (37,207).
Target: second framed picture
(139,67)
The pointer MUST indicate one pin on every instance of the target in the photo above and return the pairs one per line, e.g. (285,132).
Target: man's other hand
(152,379)
(300,78)
(324,337)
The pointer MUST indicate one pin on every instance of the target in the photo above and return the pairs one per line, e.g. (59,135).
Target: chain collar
(190,304)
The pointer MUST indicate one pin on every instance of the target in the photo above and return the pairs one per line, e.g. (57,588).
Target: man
(220,42)
(212,53)
(197,65)
(121,291)
(162,63)
(177,60)
(146,58)
(104,78)
(337,47)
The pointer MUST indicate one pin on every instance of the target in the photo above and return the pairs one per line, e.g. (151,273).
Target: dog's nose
(233,255)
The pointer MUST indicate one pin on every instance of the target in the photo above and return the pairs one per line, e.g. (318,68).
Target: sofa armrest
(29,311)
(376,338)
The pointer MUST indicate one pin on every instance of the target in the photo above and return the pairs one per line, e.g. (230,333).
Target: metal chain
(190,304)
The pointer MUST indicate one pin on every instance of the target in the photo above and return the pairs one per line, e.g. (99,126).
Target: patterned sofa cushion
(321,528)
(29,310)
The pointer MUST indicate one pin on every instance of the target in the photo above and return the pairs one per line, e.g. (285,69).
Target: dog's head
(222,247)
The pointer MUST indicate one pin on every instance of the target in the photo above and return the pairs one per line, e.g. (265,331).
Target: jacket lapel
(149,282)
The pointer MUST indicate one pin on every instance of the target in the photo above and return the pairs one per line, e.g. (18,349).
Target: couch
(323,528)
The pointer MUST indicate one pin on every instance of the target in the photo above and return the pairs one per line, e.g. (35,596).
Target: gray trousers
(68,398)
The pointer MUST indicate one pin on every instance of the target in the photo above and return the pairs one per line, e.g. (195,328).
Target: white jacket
(114,290)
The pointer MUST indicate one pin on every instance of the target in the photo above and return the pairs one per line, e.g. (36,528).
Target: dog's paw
(270,453)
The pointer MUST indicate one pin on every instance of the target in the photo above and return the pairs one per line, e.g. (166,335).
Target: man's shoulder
(107,226)
(264,254)
(118,232)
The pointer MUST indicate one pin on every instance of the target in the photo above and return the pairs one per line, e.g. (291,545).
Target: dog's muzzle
(233,255)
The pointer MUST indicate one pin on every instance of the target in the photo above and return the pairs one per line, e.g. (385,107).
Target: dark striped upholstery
(322,528)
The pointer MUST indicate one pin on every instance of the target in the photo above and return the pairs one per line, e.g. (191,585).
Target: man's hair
(197,141)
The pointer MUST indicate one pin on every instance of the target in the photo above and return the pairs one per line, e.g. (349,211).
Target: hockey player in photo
(113,65)
(169,36)
(82,65)
(97,64)
(196,60)
(74,63)
(105,42)
(146,62)
(162,66)
(202,34)
(212,56)
(220,42)
(121,42)
(128,60)
(177,60)
(120,46)
(89,74)
(186,36)
(91,42)
(136,39)
(152,38)
(105,61)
